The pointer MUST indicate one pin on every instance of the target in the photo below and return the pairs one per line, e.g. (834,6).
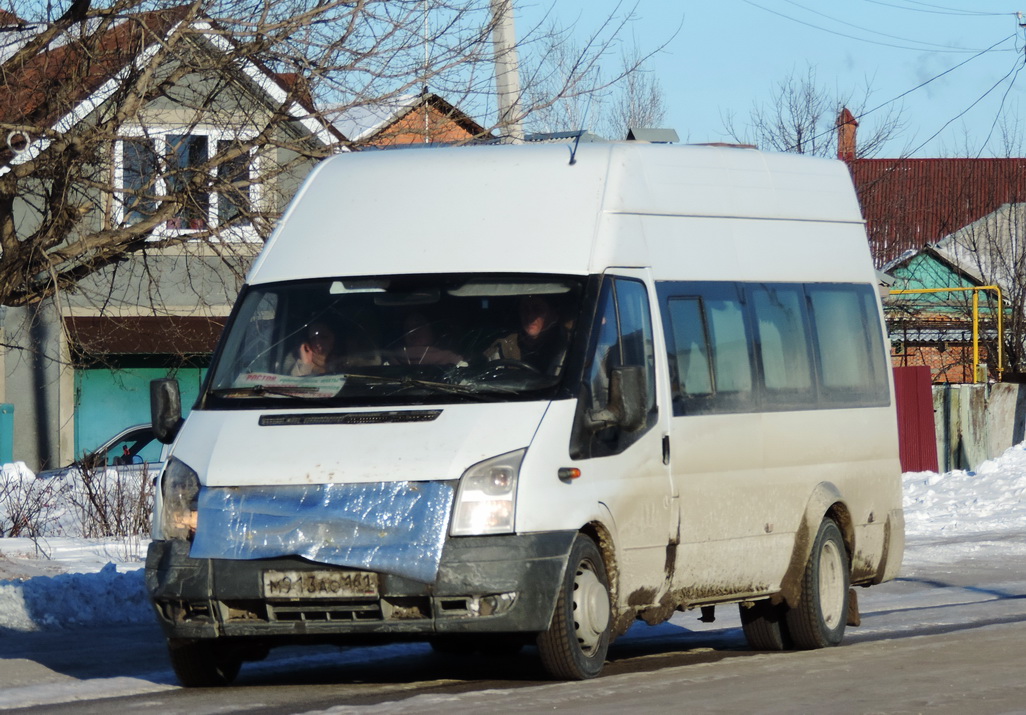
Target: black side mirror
(626,408)
(165,409)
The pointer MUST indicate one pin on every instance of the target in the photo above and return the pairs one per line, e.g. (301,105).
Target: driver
(541,340)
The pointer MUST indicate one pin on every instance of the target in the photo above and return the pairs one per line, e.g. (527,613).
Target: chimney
(846,126)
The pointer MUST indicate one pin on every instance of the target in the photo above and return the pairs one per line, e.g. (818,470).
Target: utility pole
(507,72)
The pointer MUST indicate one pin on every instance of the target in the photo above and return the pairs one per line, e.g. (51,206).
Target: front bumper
(485,584)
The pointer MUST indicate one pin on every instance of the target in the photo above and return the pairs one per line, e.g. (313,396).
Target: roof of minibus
(530,208)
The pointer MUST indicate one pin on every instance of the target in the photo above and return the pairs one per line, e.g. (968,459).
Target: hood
(317,446)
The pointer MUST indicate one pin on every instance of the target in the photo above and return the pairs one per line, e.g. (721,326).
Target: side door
(624,456)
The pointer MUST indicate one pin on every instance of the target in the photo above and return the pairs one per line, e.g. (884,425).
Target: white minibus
(506,396)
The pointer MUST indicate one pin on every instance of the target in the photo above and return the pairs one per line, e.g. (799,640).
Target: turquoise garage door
(108,400)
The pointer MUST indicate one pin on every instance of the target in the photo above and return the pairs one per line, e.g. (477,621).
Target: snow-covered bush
(29,506)
(79,501)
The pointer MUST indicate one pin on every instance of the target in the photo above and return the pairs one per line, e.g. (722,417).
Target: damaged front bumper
(485,584)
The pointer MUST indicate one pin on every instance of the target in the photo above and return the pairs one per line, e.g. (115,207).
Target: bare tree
(801,119)
(637,99)
(571,86)
(90,174)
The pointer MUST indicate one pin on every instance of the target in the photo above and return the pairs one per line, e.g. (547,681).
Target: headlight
(179,492)
(486,498)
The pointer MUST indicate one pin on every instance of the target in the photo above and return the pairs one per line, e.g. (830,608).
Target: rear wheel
(575,644)
(819,617)
(765,625)
(203,664)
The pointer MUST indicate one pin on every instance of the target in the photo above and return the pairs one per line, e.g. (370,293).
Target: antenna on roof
(573,149)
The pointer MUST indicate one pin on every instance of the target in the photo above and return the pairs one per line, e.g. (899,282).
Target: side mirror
(165,409)
(626,401)
(627,396)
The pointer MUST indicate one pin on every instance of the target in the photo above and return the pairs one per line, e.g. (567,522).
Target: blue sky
(729,54)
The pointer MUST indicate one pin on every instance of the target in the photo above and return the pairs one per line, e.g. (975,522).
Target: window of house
(162,163)
(139,174)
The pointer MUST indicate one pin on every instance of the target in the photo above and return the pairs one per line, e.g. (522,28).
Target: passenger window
(848,344)
(732,367)
(783,343)
(692,347)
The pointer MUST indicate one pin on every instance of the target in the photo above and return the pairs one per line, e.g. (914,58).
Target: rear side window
(849,344)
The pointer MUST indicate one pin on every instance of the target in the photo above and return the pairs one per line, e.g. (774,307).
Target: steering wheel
(511,364)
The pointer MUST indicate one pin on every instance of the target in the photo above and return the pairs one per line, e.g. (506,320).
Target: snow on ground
(63,582)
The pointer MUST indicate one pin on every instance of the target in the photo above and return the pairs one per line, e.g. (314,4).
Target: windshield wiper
(405,381)
(303,393)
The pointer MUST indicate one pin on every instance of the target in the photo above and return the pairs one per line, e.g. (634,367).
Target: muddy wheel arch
(825,502)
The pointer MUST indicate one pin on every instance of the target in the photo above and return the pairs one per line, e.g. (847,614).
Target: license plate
(320,584)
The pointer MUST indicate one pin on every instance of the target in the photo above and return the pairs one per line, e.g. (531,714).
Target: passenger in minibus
(315,355)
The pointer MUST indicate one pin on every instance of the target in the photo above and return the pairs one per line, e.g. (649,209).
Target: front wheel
(203,664)
(819,617)
(575,644)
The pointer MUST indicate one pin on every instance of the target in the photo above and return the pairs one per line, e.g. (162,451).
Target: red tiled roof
(909,203)
(51,83)
(9,18)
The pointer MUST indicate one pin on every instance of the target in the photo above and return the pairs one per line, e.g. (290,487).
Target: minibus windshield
(411,339)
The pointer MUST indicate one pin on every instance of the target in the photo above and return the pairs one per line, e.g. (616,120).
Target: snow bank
(74,600)
(960,503)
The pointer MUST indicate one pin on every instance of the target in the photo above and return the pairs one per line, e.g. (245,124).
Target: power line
(868,29)
(851,37)
(940,10)
(933,79)
(1014,70)
(936,77)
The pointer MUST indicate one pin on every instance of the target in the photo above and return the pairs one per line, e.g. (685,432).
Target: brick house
(423,118)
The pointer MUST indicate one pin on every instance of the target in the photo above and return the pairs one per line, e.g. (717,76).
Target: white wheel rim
(591,608)
(832,591)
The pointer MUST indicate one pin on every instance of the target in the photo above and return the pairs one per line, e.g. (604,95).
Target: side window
(691,354)
(710,357)
(622,342)
(254,347)
(782,343)
(636,333)
(848,343)
(732,366)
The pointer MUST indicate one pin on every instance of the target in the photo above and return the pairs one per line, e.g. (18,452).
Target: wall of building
(975,423)
(39,365)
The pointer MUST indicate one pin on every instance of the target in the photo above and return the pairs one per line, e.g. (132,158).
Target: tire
(819,617)
(765,625)
(574,646)
(203,664)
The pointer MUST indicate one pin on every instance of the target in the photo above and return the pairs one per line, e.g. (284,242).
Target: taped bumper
(491,584)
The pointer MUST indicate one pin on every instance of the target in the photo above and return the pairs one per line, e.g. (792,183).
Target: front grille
(324,612)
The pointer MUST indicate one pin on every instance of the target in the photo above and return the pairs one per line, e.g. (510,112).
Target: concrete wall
(975,423)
